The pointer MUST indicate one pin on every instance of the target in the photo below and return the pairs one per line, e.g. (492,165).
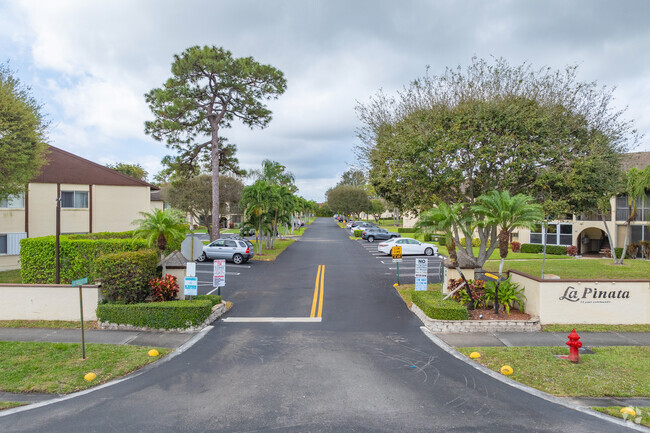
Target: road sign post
(219,275)
(397,258)
(80,282)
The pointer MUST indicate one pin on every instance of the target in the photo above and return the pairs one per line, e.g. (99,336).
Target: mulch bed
(489,314)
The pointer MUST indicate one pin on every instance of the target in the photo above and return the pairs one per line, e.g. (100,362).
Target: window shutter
(13,243)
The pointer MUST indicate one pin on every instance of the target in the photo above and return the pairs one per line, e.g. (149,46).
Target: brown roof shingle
(65,167)
(638,160)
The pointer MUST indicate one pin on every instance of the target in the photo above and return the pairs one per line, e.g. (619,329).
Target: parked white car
(409,246)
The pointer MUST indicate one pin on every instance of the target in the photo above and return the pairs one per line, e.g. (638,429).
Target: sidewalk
(509,339)
(169,340)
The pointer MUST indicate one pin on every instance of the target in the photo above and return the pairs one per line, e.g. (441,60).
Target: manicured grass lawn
(580,268)
(272,254)
(642,412)
(610,372)
(10,404)
(59,368)
(11,277)
(596,328)
(406,291)
(58,324)
(511,256)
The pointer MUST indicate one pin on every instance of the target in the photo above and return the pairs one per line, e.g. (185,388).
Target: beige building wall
(115,207)
(12,220)
(157,204)
(9,262)
(47,302)
(42,209)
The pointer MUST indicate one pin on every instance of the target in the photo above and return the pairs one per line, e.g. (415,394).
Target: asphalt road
(364,366)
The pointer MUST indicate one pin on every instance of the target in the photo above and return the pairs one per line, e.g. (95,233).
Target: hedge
(157,315)
(214,299)
(77,257)
(406,230)
(556,250)
(126,275)
(433,305)
(358,233)
(442,240)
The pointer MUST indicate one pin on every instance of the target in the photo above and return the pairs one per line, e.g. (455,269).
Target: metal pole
(544,254)
(57,272)
(398,273)
(81,308)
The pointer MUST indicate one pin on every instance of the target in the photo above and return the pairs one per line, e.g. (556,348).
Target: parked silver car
(237,251)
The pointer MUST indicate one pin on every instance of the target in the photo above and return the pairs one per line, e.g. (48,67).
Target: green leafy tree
(134,170)
(160,226)
(377,207)
(208,90)
(194,196)
(506,212)
(354,177)
(275,174)
(494,126)
(324,210)
(347,199)
(23,134)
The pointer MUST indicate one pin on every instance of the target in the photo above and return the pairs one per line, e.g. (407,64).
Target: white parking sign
(219,273)
(421,272)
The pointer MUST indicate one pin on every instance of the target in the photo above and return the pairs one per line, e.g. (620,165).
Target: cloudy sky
(90,63)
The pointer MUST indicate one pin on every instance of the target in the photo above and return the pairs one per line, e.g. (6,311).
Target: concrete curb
(191,342)
(537,393)
(465,326)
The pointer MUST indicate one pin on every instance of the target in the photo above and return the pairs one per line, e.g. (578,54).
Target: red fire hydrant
(574,345)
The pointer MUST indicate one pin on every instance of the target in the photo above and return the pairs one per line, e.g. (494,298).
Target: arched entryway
(592,240)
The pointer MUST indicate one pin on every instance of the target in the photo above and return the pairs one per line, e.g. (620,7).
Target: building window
(642,207)
(13,202)
(74,199)
(3,244)
(556,234)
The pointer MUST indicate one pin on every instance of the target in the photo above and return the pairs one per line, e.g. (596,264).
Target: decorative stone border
(460,326)
(217,311)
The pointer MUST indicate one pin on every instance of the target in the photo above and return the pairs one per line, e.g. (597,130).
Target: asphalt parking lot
(407,266)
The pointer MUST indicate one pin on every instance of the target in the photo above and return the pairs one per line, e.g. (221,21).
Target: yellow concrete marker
(153,352)
(487,274)
(507,370)
(474,355)
(395,285)
(629,411)
(90,377)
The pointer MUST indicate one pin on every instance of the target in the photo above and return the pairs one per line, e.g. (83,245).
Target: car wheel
(371,238)
(201,258)
(393,237)
(238,259)
(428,252)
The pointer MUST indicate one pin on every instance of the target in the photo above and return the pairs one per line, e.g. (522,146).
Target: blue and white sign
(191,285)
(421,273)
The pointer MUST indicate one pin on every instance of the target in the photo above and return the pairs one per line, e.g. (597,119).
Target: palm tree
(275,174)
(507,213)
(158,227)
(636,183)
(256,202)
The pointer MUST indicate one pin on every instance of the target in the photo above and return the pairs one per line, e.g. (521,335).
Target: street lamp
(57,276)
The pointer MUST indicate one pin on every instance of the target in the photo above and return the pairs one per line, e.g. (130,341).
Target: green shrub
(556,250)
(442,240)
(406,230)
(531,248)
(102,235)
(509,293)
(432,304)
(125,276)
(214,299)
(357,233)
(158,315)
(77,256)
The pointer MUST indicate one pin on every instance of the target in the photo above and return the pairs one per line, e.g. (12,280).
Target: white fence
(47,302)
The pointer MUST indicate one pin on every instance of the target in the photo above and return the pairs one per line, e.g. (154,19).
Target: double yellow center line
(318,292)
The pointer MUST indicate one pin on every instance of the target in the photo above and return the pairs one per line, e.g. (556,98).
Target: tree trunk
(216,232)
(627,238)
(164,266)
(609,237)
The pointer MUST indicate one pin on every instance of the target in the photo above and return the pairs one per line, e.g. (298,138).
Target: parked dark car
(370,234)
(362,225)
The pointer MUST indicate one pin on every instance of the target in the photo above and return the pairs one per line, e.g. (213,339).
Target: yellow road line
(322,289)
(316,287)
